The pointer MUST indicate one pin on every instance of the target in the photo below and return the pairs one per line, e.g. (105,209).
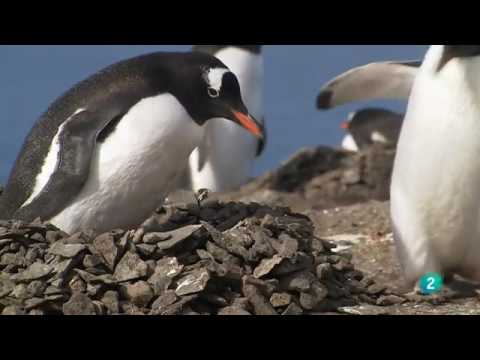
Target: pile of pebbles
(223,259)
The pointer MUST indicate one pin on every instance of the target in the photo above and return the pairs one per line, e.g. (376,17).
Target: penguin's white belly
(435,197)
(132,171)
(230,150)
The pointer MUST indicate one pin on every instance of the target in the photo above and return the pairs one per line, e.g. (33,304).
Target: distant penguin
(224,161)
(370,126)
(381,80)
(435,191)
(105,154)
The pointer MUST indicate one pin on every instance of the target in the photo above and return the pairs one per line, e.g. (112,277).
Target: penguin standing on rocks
(370,126)
(106,153)
(224,161)
(435,191)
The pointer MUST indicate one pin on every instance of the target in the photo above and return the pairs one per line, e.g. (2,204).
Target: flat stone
(146,249)
(266,266)
(194,282)
(166,270)
(105,246)
(390,300)
(164,300)
(280,299)
(293,309)
(33,272)
(177,237)
(289,246)
(233,311)
(91,261)
(139,293)
(130,267)
(79,304)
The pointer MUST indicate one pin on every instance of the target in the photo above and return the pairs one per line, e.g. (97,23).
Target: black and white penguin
(105,154)
(224,161)
(380,80)
(370,126)
(435,191)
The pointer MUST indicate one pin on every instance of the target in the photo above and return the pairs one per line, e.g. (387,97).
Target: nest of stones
(220,259)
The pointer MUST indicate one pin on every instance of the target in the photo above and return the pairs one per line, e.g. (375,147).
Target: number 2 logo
(431,283)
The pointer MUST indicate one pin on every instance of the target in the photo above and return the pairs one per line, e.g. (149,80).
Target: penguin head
(371,125)
(457,51)
(213,92)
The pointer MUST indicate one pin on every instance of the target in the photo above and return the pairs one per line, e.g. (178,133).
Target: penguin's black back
(111,92)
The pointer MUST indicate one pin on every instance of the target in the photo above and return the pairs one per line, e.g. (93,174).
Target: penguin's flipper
(262,143)
(380,80)
(76,140)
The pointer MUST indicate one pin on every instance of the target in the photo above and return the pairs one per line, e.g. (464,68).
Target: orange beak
(248,123)
(345,125)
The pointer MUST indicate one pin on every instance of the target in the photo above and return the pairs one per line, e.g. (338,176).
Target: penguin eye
(213,93)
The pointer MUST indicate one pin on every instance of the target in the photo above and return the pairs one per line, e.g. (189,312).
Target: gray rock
(233,311)
(293,309)
(79,304)
(91,261)
(13,310)
(34,272)
(130,267)
(6,286)
(280,299)
(53,236)
(194,282)
(111,302)
(34,302)
(20,292)
(36,288)
(299,282)
(300,261)
(139,293)
(105,246)
(261,306)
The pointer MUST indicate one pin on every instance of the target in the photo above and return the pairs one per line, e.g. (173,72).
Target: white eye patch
(214,77)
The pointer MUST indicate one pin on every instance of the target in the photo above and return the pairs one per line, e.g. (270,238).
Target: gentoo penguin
(435,191)
(105,154)
(380,80)
(224,160)
(369,126)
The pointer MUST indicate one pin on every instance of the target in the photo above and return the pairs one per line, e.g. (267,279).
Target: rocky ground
(312,237)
